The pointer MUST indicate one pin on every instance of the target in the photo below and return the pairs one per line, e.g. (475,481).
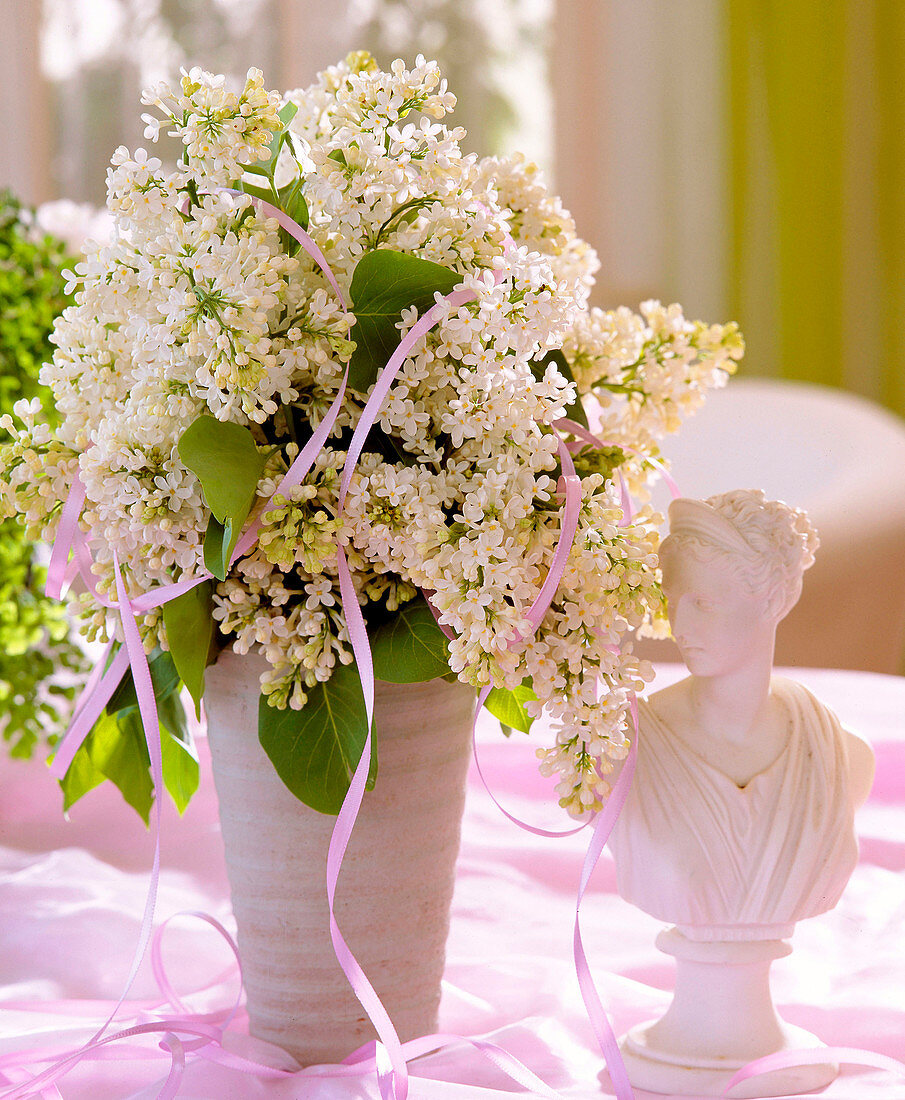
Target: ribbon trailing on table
(818,1056)
(184,1032)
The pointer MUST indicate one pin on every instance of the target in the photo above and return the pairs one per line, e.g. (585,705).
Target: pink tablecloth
(71,897)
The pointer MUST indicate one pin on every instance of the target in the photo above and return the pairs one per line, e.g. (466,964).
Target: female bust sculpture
(740,818)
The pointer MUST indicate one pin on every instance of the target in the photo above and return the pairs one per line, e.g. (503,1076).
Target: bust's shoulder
(858,752)
(669,705)
(792,691)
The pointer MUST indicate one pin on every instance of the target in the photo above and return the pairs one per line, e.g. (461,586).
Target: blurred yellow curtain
(816,111)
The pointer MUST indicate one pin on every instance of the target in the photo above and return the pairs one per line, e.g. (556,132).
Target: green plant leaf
(411,647)
(289,198)
(385,283)
(181,772)
(164,678)
(171,714)
(219,543)
(575,411)
(80,778)
(509,707)
(225,459)
(315,750)
(190,626)
(292,202)
(117,749)
(258,192)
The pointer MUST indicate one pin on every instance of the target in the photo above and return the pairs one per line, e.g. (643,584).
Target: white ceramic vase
(395,889)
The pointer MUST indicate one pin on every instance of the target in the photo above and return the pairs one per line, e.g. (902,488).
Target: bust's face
(716,622)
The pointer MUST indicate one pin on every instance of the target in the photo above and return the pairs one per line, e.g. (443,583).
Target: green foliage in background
(36,652)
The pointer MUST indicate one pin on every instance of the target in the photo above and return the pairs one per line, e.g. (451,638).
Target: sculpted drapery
(727,862)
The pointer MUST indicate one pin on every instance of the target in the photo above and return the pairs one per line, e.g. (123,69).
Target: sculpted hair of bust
(768,543)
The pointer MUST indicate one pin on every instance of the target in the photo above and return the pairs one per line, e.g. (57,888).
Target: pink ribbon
(603,826)
(66,533)
(819,1056)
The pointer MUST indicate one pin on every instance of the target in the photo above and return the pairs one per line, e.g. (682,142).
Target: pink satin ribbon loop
(553,834)
(162,978)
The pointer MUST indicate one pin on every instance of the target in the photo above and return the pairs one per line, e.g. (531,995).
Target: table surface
(72,894)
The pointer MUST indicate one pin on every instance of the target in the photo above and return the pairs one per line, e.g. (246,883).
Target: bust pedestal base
(721,1018)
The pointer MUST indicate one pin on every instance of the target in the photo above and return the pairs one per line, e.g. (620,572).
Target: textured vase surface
(395,888)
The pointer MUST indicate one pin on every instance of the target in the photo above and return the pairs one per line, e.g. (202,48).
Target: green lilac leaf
(315,750)
(224,458)
(411,647)
(189,625)
(80,778)
(509,707)
(164,678)
(258,192)
(172,718)
(292,202)
(219,543)
(117,749)
(575,411)
(181,772)
(385,283)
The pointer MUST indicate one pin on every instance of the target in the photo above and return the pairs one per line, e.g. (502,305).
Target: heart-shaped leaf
(385,283)
(315,750)
(189,625)
(509,707)
(116,748)
(226,460)
(80,778)
(411,647)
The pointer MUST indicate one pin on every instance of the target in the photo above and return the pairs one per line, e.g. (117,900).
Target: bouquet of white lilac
(205,346)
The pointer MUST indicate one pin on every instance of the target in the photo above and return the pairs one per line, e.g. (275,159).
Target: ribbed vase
(394,892)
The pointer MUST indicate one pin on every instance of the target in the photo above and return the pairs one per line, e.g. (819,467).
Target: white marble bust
(739,821)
